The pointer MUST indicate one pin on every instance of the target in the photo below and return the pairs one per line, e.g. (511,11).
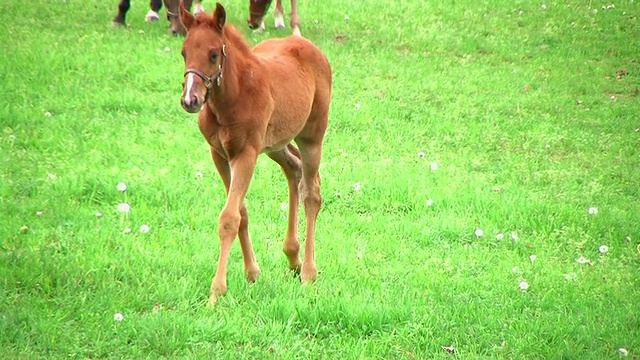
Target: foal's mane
(231,33)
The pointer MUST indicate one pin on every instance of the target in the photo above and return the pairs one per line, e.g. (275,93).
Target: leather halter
(209,80)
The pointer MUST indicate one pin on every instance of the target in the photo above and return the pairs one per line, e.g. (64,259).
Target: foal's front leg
(234,219)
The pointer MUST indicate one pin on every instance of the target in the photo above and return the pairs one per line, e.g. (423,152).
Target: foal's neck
(240,59)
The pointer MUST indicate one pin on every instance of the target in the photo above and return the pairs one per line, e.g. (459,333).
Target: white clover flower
(421,155)
(122,187)
(52,176)
(515,269)
(346,18)
(593,210)
(449,349)
(124,207)
(357,107)
(532,258)
(570,276)
(514,236)
(543,7)
(284,206)
(429,202)
(167,49)
(118,316)
(144,228)
(499,236)
(357,186)
(98,214)
(623,351)
(583,260)
(603,249)
(48,114)
(434,166)
(524,286)
(39,213)
(199,175)
(126,231)
(479,232)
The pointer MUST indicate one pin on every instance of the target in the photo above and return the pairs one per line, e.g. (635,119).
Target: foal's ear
(219,16)
(185,16)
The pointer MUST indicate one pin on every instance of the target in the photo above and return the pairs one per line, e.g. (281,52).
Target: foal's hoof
(216,293)
(252,274)
(308,276)
(152,16)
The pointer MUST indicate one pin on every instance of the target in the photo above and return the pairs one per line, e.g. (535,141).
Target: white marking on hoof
(199,8)
(151,16)
(279,21)
(296,31)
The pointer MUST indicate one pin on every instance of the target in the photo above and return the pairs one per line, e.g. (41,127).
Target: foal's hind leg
(289,159)
(251,268)
(311,151)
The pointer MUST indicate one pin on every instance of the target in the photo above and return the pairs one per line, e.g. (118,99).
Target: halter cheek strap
(209,80)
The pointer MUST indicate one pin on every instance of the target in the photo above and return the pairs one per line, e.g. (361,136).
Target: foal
(253,101)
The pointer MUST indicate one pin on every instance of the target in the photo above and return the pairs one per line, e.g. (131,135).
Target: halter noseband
(209,80)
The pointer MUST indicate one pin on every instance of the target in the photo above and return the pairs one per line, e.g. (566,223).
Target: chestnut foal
(253,101)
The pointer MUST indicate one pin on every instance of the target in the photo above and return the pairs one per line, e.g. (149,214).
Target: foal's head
(204,55)
(257,10)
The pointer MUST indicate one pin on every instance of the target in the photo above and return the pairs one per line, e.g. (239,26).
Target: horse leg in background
(123,7)
(173,15)
(278,14)
(289,159)
(295,20)
(198,7)
(152,15)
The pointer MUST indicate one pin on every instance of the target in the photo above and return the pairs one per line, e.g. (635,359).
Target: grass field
(481,185)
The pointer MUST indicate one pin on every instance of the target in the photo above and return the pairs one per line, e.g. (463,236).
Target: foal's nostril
(252,26)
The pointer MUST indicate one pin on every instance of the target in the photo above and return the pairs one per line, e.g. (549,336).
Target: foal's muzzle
(191,100)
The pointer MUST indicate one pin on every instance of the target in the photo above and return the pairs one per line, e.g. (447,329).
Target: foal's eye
(213,57)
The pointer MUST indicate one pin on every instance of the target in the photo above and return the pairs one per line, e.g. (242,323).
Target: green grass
(519,106)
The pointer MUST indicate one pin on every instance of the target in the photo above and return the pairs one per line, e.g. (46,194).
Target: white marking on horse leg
(199,8)
(151,16)
(263,27)
(279,19)
(188,89)
(296,31)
